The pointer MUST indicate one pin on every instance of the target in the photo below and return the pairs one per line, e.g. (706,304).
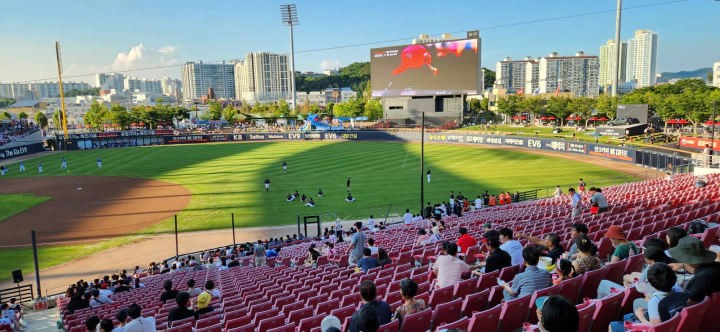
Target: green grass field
(16,203)
(228,178)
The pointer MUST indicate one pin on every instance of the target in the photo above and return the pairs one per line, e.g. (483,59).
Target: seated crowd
(678,266)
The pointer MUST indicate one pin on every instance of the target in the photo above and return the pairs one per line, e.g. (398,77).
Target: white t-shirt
(478,203)
(373,250)
(408,218)
(371,224)
(214,292)
(514,248)
(142,324)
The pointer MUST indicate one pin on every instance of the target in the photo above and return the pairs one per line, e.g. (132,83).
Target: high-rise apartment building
(578,74)
(263,77)
(514,75)
(110,81)
(134,84)
(642,58)
(38,90)
(607,63)
(171,87)
(198,77)
(715,77)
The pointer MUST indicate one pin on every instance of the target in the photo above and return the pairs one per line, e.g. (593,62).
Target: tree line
(689,99)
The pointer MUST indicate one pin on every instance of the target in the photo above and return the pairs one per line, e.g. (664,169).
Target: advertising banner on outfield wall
(18,151)
(698,142)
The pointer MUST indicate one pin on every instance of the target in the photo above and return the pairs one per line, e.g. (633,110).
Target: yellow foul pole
(62,93)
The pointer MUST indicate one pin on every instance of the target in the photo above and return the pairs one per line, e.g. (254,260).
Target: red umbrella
(523,117)
(543,118)
(515,117)
(134,124)
(168,122)
(87,126)
(603,119)
(593,119)
(683,121)
(578,118)
(142,123)
(106,125)
(552,118)
(672,121)
(115,124)
(570,118)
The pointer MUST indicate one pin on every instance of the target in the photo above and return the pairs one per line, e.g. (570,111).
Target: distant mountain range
(702,72)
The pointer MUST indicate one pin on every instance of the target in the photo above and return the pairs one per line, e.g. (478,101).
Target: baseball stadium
(427,217)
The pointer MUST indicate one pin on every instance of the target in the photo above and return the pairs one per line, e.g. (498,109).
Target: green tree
(373,109)
(215,111)
(180,113)
(559,107)
(97,116)
(229,113)
(22,116)
(583,107)
(119,115)
(41,120)
(475,105)
(607,105)
(354,107)
(510,104)
(76,92)
(694,106)
(535,105)
(283,107)
(314,109)
(57,117)
(489,78)
(663,105)
(5,116)
(329,107)
(6,102)
(484,105)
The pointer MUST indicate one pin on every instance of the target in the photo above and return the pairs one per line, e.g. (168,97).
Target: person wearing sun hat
(699,261)
(623,247)
(203,303)
(330,322)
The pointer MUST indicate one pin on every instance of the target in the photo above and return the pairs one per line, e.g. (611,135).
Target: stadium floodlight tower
(290,18)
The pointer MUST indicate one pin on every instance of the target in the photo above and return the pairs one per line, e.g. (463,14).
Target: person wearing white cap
(330,323)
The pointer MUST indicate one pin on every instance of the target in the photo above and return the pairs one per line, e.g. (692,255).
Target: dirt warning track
(86,209)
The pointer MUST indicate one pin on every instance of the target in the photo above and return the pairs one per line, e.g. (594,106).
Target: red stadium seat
(393,326)
(446,313)
(552,290)
(461,324)
(475,303)
(488,320)
(419,321)
(514,313)
(691,318)
(442,295)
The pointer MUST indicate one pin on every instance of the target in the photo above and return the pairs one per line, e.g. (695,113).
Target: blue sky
(100,36)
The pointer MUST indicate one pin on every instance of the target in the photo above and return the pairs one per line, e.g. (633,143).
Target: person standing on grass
(99,161)
(428,175)
(348,184)
(64,163)
(284,166)
(22,166)
(267,184)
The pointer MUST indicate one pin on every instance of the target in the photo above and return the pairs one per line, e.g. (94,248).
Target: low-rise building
(30,107)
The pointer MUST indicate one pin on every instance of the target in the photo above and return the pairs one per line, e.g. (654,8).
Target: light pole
(618,46)
(196,111)
(288,13)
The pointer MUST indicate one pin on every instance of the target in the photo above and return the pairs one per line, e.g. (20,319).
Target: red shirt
(466,241)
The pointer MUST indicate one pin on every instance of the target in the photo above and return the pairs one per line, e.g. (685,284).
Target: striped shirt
(533,279)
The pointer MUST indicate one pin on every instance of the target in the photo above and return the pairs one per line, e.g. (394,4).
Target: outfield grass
(228,178)
(16,203)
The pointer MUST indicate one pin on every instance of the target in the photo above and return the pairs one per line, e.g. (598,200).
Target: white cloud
(138,57)
(327,64)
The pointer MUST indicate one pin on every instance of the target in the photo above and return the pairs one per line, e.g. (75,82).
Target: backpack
(672,304)
(698,226)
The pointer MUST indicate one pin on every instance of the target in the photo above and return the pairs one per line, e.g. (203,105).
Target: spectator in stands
(478,203)
(106,325)
(91,323)
(558,191)
(329,249)
(203,303)
(465,241)
(673,236)
(356,245)
(371,246)
(512,247)
(170,293)
(98,300)
(422,237)
(599,198)
(551,242)
(529,281)
(448,268)
(662,278)
(121,316)
(701,263)
(210,288)
(367,262)
(77,302)
(259,254)
(576,230)
(340,236)
(233,262)
(181,311)
(408,290)
(487,227)
(381,310)
(428,211)
(383,258)
(557,314)
(191,288)
(272,252)
(11,316)
(585,260)
(382,225)
(138,284)
(564,270)
(313,255)
(623,247)
(575,203)
(139,323)
(123,286)
(497,258)
(651,255)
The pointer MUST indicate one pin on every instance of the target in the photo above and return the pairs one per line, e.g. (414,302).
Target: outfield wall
(18,151)
(640,157)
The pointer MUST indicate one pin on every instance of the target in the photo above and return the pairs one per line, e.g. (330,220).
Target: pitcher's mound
(106,207)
